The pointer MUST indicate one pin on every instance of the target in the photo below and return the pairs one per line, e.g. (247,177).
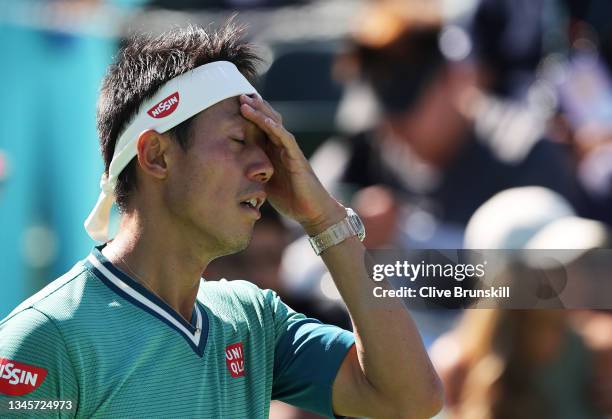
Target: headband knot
(105,185)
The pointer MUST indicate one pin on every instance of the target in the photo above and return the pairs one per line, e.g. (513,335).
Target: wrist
(332,215)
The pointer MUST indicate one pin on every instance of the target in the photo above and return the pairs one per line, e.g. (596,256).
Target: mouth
(253,203)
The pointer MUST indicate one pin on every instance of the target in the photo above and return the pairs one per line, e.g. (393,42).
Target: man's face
(209,184)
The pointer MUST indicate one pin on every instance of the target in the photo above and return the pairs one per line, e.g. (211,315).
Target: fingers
(264,122)
(268,120)
(257,102)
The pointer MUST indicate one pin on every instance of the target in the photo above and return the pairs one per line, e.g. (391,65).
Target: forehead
(225,120)
(229,107)
(223,115)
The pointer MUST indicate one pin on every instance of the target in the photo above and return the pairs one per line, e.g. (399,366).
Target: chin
(235,244)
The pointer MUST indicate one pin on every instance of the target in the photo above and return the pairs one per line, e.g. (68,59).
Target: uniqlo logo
(234,358)
(17,379)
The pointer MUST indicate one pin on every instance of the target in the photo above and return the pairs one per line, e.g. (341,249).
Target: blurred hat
(532,218)
(396,49)
(570,233)
(381,23)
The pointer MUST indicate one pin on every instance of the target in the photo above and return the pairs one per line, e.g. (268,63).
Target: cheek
(211,182)
(205,179)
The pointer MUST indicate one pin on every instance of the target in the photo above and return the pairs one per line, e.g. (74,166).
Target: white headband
(176,101)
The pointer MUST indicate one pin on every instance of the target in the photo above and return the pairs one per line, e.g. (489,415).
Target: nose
(260,169)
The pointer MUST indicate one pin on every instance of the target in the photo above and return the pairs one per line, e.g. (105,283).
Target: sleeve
(307,357)
(34,366)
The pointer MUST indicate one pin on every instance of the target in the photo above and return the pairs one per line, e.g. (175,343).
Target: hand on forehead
(227,115)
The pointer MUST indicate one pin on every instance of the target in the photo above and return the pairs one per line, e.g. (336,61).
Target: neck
(160,258)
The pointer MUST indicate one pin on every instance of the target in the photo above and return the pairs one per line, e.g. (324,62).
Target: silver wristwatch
(337,233)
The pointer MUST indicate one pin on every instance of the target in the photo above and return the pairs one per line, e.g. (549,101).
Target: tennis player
(191,153)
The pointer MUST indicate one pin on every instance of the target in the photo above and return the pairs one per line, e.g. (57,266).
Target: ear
(152,148)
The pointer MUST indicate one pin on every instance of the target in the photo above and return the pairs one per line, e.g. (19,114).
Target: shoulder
(64,300)
(25,324)
(55,296)
(34,332)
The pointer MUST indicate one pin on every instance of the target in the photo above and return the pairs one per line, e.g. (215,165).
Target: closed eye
(238,140)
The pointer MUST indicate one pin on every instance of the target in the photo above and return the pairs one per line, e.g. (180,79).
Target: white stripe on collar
(194,337)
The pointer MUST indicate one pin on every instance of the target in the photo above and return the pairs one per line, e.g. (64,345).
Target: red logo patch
(17,379)
(165,107)
(234,358)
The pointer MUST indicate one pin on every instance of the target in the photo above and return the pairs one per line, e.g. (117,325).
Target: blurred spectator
(515,364)
(526,363)
(424,145)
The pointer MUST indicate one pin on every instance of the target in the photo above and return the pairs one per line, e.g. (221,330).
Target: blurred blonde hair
(498,363)
(382,22)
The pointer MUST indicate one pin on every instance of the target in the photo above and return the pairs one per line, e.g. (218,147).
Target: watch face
(356,224)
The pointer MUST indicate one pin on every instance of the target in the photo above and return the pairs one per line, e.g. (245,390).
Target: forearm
(391,353)
(390,350)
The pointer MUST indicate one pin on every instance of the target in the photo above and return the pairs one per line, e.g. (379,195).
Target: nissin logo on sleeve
(17,379)
(165,107)
(234,358)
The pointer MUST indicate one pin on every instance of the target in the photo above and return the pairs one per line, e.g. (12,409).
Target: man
(191,153)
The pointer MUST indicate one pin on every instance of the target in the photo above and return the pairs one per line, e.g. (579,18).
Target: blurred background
(445,124)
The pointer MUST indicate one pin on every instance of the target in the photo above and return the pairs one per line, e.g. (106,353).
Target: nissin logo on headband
(165,107)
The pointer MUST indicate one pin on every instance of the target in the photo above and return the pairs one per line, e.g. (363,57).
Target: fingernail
(247,107)
(246,97)
(270,122)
